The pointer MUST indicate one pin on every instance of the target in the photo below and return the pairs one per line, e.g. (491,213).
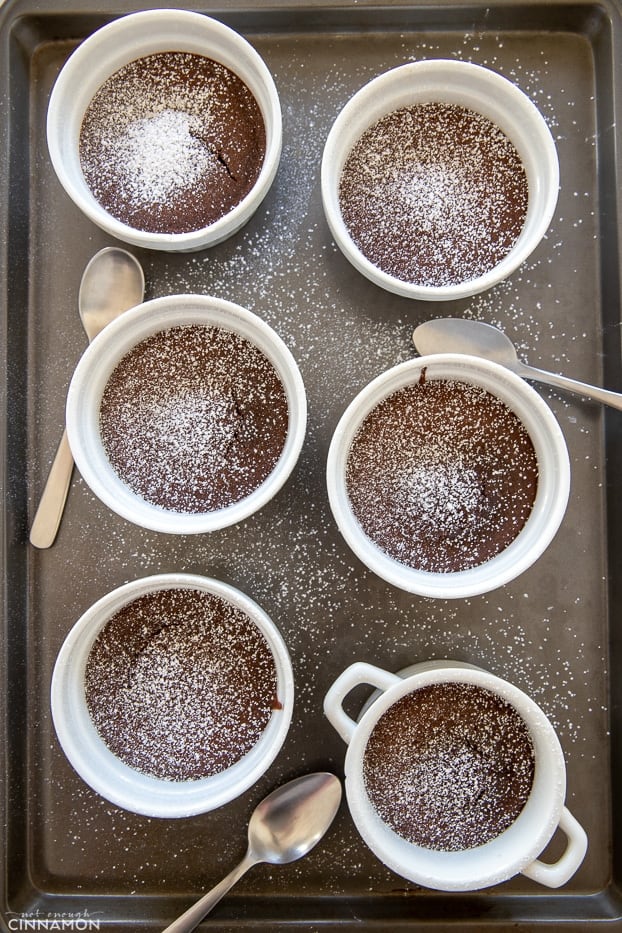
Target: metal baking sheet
(555,632)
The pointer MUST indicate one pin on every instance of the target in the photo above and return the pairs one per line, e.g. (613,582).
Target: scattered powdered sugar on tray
(545,637)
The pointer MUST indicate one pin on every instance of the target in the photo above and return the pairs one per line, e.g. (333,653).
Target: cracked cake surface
(172,142)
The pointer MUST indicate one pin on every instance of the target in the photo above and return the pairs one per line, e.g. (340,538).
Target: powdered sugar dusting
(194,418)
(546,632)
(434,194)
(180,684)
(160,155)
(441,475)
(449,766)
(171,142)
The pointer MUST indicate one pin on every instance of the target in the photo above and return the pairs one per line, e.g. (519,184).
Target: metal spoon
(112,282)
(455,335)
(283,828)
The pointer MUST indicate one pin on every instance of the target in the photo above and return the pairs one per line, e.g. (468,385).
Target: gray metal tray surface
(555,632)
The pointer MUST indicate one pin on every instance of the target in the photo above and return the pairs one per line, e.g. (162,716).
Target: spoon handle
(193,916)
(614,399)
(50,511)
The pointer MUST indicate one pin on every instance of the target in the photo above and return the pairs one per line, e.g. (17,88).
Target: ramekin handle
(353,676)
(557,873)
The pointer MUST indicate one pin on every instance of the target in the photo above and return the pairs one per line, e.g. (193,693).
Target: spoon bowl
(454,335)
(292,819)
(283,827)
(112,282)
(475,338)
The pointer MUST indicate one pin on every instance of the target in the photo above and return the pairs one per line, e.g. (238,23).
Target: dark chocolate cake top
(449,766)
(442,475)
(172,142)
(434,194)
(180,684)
(194,418)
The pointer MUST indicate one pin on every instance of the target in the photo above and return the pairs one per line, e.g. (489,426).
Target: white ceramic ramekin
(111,777)
(470,86)
(553,476)
(122,41)
(94,370)
(515,850)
